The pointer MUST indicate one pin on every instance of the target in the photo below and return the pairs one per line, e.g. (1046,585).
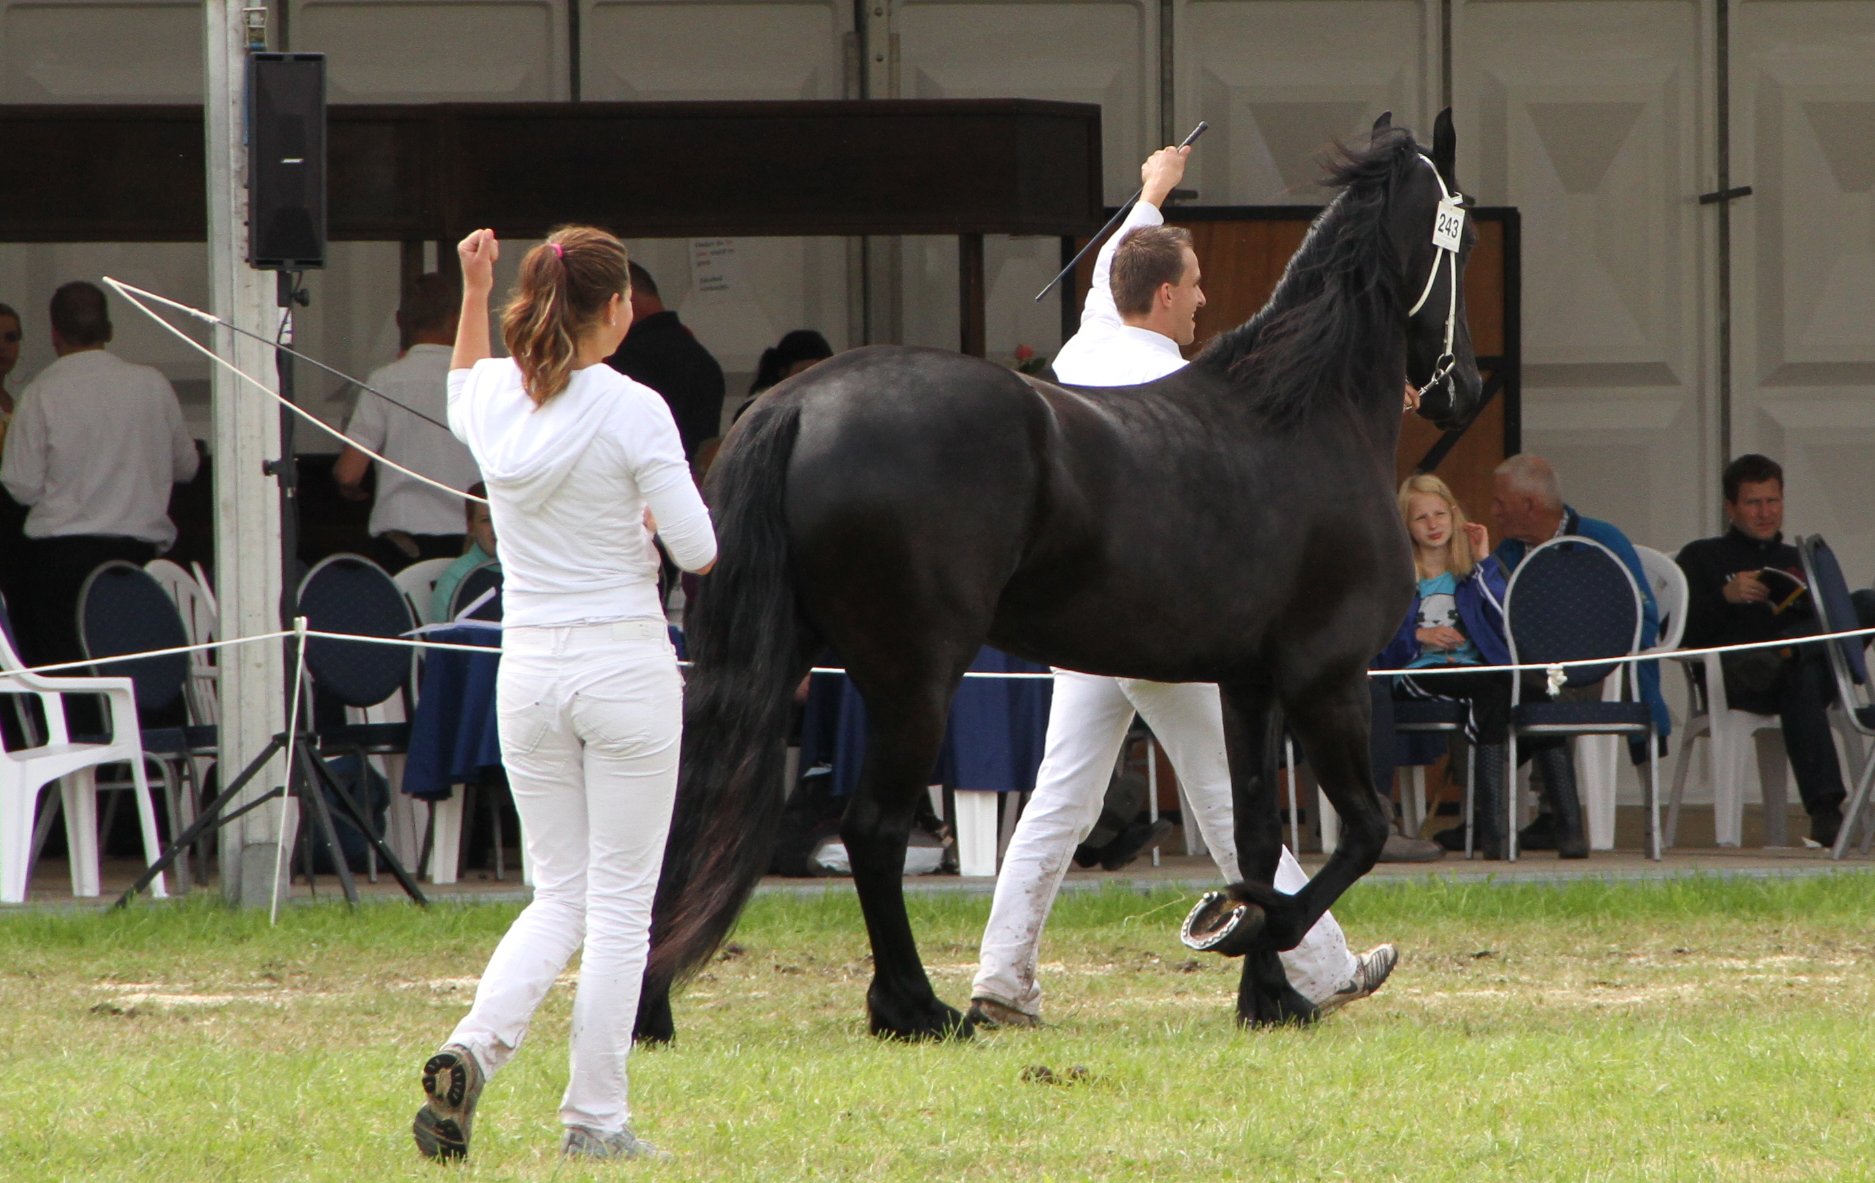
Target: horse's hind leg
(905,727)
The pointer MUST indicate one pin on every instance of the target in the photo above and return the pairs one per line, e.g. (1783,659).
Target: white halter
(1449,256)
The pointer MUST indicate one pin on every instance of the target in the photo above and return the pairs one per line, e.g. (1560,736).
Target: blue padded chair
(1836,613)
(123,609)
(1431,716)
(348,593)
(478,582)
(1571,599)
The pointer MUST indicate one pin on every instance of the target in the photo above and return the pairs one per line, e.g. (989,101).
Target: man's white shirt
(419,380)
(94,446)
(1105,351)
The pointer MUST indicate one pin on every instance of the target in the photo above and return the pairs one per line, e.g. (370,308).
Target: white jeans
(1086,727)
(590,717)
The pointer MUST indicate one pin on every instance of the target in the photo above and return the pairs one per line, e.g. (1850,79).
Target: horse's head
(1434,235)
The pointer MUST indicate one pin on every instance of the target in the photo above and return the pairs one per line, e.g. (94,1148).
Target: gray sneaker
(452,1082)
(1370,973)
(987,1014)
(581,1142)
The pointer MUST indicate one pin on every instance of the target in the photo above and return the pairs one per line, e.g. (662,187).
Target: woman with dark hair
(589,703)
(796,351)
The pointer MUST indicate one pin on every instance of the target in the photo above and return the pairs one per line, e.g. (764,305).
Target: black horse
(1232,522)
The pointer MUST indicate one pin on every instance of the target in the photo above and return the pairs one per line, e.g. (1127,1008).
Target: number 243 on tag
(1448,229)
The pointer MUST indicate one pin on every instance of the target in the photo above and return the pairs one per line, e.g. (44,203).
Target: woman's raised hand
(478,253)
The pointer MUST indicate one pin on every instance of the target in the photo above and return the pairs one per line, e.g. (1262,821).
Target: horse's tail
(745,640)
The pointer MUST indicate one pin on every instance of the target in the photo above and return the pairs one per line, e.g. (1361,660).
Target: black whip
(1117,215)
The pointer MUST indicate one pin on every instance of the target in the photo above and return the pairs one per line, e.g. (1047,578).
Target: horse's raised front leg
(1332,726)
(1252,733)
(904,731)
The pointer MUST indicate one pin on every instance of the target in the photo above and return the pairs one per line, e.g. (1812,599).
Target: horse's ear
(1383,123)
(1444,143)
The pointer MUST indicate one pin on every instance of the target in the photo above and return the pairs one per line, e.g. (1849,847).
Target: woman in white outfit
(581,464)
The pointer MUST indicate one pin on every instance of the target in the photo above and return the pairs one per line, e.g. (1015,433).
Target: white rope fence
(1552,669)
(20,680)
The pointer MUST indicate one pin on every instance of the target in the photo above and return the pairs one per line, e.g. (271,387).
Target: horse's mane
(1317,333)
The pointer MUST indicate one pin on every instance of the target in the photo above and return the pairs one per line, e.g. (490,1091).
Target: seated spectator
(480,550)
(1526,501)
(93,448)
(409,519)
(1747,585)
(1457,619)
(799,350)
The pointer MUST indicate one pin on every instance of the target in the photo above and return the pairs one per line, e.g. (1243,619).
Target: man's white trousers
(1086,727)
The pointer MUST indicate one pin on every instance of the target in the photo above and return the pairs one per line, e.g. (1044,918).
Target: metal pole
(1725,231)
(247,510)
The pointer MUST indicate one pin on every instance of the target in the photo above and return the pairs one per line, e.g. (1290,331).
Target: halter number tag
(1448,229)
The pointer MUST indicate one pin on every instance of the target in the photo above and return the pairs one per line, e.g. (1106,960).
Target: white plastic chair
(26,771)
(418,583)
(1726,731)
(1598,756)
(203,624)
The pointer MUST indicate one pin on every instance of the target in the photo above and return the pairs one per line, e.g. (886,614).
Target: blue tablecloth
(993,741)
(453,736)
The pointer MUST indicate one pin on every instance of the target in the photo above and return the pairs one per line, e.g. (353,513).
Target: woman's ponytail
(564,286)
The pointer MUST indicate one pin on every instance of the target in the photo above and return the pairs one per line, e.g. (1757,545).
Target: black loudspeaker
(286,161)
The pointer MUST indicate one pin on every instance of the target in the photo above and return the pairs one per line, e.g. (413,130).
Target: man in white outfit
(409,519)
(1139,311)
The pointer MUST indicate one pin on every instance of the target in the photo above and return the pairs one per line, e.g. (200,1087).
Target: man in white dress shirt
(94,447)
(409,519)
(1141,308)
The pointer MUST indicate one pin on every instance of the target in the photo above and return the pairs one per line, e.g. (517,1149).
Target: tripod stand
(307,780)
(307,777)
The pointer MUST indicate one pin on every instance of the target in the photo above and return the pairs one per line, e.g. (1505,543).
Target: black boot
(1490,801)
(1558,772)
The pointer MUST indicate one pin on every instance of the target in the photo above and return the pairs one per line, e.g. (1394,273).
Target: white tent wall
(1596,118)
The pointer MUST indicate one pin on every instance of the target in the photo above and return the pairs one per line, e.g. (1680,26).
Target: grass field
(1696,1029)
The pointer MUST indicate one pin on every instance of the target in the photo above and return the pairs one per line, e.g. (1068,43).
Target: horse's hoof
(944,1023)
(1219,925)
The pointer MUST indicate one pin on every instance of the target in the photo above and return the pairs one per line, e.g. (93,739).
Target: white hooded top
(568,484)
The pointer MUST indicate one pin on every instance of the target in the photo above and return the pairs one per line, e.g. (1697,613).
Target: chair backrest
(418,583)
(196,605)
(1836,613)
(1571,599)
(1668,583)
(352,594)
(9,643)
(123,609)
(192,602)
(479,580)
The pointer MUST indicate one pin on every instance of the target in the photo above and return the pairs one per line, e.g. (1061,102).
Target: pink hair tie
(557,252)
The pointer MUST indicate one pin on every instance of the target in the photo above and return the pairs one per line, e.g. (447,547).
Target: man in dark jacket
(1747,585)
(660,352)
